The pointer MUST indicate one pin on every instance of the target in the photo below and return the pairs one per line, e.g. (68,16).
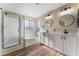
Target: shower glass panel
(30,32)
(11,27)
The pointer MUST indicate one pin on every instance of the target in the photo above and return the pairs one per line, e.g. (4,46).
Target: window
(29,24)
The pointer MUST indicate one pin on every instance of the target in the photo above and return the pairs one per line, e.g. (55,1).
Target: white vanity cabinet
(58,42)
(51,39)
(64,43)
(70,45)
(51,42)
(46,41)
(54,41)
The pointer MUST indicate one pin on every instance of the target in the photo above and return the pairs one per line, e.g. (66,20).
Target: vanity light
(48,17)
(68,11)
(65,11)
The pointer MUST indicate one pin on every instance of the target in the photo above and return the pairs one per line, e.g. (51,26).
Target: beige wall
(56,17)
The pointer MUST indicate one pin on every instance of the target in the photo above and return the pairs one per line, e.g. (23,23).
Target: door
(30,32)
(70,45)
(46,41)
(51,40)
(11,30)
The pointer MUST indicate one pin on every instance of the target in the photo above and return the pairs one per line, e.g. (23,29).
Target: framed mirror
(67,20)
(47,24)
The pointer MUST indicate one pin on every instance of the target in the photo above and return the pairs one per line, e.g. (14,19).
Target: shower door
(30,32)
(11,30)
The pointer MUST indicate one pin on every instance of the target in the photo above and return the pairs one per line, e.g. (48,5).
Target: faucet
(65,31)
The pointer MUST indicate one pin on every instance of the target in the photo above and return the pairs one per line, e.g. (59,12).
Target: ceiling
(31,9)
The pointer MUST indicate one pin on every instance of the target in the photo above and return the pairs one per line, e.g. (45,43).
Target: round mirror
(66,20)
(47,23)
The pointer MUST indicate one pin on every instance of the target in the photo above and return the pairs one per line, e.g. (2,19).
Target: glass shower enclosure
(11,30)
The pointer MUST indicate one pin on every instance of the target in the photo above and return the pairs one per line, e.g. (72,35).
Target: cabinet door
(70,45)
(58,42)
(51,41)
(46,41)
(30,32)
(41,38)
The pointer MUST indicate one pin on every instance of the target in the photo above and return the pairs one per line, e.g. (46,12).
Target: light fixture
(68,11)
(65,9)
(48,17)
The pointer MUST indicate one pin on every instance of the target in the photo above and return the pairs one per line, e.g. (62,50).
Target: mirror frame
(45,21)
(69,24)
(49,20)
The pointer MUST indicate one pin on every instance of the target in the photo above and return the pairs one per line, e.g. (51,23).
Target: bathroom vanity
(62,35)
(64,43)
